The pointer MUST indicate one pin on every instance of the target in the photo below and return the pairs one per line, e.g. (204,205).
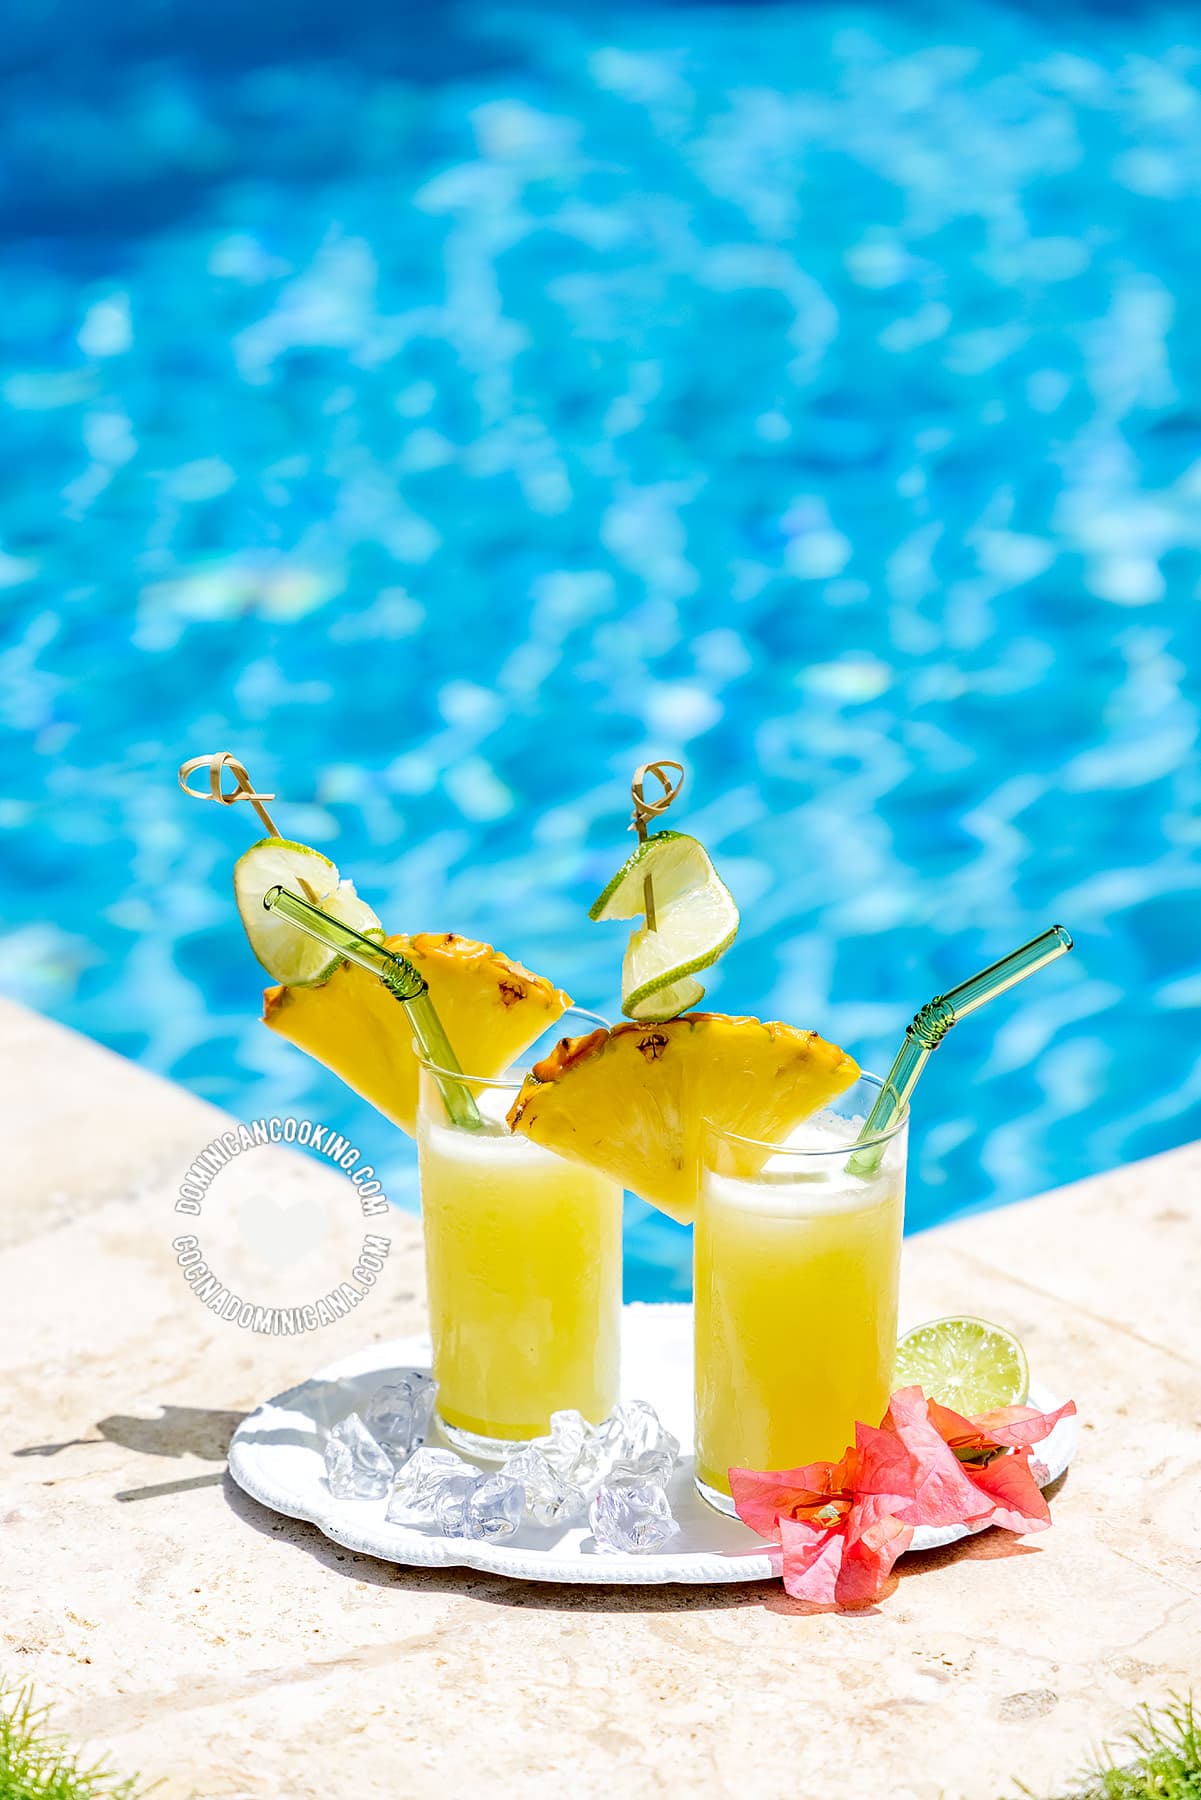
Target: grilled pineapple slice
(492,1010)
(631,1101)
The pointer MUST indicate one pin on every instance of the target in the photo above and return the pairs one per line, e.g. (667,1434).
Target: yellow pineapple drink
(523,1260)
(797,1263)
(523,1249)
(796,1283)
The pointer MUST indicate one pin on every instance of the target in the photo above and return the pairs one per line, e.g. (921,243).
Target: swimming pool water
(446,420)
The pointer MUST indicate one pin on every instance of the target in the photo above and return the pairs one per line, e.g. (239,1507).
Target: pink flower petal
(1021,1426)
(1008,1483)
(812,1561)
(951,1426)
(943,1492)
(885,1466)
(762,1494)
(868,1559)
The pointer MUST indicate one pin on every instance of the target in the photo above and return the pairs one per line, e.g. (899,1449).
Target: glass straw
(402,981)
(931,1025)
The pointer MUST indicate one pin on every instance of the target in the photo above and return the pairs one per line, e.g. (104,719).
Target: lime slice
(695,916)
(289,955)
(966,1364)
(668,1002)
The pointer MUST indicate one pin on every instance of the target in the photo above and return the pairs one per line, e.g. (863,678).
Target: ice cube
(495,1507)
(551,1498)
(634,1430)
(569,1432)
(419,1481)
(398,1414)
(632,1518)
(575,1450)
(654,1466)
(355,1466)
(450,1503)
(480,1506)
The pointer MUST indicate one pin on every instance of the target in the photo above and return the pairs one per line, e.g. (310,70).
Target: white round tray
(276,1456)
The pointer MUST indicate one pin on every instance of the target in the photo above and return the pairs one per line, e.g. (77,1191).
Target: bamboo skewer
(244,789)
(645,810)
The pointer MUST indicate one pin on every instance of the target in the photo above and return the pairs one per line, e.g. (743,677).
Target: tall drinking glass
(796,1276)
(523,1262)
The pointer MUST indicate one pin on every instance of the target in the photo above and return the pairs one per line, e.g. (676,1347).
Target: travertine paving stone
(190,1634)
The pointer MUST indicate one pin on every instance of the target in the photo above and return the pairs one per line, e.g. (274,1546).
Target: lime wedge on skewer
(289,955)
(966,1364)
(696,920)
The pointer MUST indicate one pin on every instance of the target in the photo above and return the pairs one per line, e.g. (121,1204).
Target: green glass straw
(402,981)
(931,1025)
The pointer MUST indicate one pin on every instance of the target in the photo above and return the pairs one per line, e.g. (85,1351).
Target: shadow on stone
(162,1490)
(180,1431)
(985,1546)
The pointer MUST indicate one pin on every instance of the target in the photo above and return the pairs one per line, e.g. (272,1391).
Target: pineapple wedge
(630,1101)
(492,1009)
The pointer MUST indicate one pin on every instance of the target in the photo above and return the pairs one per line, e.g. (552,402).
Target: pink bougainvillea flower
(954,1485)
(837,1523)
(842,1525)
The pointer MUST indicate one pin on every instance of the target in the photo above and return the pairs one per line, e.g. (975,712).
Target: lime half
(966,1364)
(289,955)
(695,918)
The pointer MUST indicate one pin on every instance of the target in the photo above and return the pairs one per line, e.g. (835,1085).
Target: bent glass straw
(931,1025)
(402,981)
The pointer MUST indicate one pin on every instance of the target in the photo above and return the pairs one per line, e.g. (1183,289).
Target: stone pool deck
(187,1633)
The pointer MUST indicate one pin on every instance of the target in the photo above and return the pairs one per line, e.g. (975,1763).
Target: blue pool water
(446,422)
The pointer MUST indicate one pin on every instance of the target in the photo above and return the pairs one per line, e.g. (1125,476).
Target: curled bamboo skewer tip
(645,810)
(216,763)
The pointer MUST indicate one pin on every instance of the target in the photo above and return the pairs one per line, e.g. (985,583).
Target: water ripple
(450,426)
